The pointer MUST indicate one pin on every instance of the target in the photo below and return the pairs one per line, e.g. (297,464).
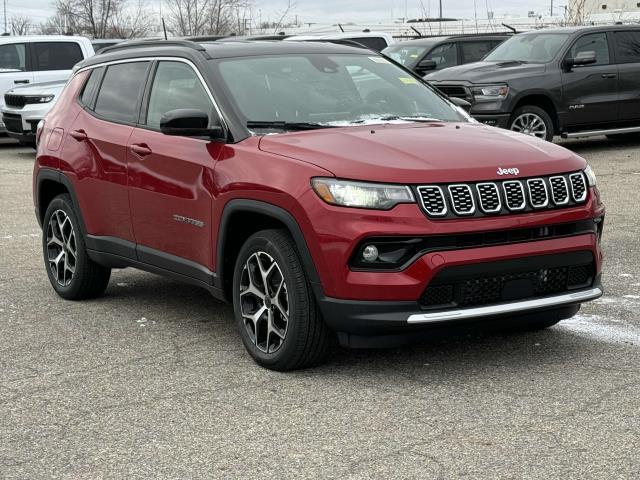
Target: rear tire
(275,309)
(533,121)
(73,275)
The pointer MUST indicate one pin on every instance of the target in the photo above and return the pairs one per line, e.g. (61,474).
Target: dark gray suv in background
(573,82)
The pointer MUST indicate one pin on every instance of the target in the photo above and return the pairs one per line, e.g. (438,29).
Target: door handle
(140,149)
(79,135)
(609,75)
(20,81)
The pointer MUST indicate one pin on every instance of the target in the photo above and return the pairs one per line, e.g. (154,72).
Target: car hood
(45,88)
(483,72)
(419,153)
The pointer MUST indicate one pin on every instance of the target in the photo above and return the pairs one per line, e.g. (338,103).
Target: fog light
(370,253)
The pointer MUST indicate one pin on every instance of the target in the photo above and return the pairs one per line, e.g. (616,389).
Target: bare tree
(132,21)
(91,17)
(288,8)
(206,17)
(100,18)
(19,25)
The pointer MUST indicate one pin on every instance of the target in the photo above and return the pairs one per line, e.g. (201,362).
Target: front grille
(453,91)
(462,199)
(538,193)
(578,186)
(559,190)
(12,122)
(508,281)
(432,199)
(503,197)
(15,101)
(489,197)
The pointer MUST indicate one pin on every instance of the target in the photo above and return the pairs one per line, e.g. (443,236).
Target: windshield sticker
(379,59)
(408,80)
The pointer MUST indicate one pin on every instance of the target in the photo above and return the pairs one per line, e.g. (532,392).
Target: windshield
(328,90)
(406,55)
(530,48)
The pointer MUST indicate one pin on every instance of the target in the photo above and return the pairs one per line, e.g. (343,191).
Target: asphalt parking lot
(152,381)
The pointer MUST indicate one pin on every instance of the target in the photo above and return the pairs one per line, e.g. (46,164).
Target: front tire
(532,120)
(73,275)
(275,309)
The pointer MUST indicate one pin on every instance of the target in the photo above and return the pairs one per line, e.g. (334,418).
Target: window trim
(152,60)
(92,101)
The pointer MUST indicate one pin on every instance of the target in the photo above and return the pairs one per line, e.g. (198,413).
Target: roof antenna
(340,27)
(164,29)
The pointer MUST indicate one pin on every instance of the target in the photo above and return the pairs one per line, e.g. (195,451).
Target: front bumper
(22,123)
(500,120)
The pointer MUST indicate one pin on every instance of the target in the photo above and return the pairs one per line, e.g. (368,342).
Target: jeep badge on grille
(508,171)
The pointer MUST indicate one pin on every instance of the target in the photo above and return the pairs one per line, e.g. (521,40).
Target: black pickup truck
(573,82)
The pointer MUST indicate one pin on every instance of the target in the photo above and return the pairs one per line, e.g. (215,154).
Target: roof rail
(338,41)
(156,43)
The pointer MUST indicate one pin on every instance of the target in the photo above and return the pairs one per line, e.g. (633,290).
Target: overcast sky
(342,11)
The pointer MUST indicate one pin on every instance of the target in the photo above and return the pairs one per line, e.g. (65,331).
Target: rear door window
(57,55)
(475,51)
(13,56)
(627,47)
(121,92)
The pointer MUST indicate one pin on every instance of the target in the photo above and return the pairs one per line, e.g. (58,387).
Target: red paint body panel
(423,153)
(176,178)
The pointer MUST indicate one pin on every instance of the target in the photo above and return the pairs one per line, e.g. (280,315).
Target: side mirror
(587,57)
(425,66)
(460,102)
(189,122)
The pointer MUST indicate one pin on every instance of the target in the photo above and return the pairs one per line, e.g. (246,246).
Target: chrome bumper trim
(503,308)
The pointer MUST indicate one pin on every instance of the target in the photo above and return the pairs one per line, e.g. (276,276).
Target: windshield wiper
(281,125)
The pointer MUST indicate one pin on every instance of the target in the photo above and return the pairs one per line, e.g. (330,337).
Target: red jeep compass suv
(321,188)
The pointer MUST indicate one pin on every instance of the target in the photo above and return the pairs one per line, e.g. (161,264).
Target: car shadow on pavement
(177,305)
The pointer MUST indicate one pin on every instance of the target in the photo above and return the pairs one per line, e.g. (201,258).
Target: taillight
(39,130)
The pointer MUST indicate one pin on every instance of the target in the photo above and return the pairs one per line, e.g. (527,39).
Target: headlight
(361,195)
(39,99)
(591,176)
(490,92)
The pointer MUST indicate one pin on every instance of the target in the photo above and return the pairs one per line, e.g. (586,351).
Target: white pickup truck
(35,59)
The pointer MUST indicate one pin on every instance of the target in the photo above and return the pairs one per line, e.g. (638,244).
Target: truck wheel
(72,273)
(532,120)
(276,312)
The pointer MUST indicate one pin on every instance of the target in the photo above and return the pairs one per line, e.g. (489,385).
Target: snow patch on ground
(604,329)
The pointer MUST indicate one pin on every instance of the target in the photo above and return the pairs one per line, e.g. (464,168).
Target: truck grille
(509,281)
(503,197)
(457,91)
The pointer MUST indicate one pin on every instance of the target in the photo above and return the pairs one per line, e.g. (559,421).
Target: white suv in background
(36,59)
(377,41)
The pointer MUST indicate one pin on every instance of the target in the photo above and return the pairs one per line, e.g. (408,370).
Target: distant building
(594,7)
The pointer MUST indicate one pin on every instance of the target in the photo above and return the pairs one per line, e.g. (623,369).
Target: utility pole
(552,8)
(5,16)
(440,8)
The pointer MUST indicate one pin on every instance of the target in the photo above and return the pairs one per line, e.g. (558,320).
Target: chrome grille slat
(559,190)
(462,201)
(578,187)
(433,201)
(514,195)
(538,195)
(489,197)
